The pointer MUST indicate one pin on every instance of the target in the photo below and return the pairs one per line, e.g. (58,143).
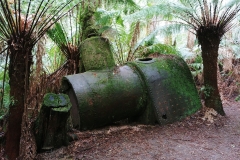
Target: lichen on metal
(102,97)
(149,90)
(96,54)
(50,100)
(170,87)
(64,104)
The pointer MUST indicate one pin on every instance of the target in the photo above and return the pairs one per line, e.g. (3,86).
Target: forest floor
(197,137)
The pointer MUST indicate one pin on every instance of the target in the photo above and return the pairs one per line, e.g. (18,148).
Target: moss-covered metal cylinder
(102,97)
(96,54)
(149,90)
(172,93)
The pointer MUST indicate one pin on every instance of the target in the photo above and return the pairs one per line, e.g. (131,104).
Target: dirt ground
(193,138)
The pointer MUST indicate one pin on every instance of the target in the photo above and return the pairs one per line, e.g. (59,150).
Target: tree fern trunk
(19,71)
(210,57)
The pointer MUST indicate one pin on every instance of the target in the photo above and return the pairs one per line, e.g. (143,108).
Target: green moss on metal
(62,109)
(160,89)
(50,100)
(180,81)
(63,100)
(58,102)
(52,123)
(170,87)
(115,87)
(96,54)
(105,96)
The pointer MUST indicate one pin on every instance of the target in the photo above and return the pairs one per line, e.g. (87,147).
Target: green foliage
(197,66)
(162,9)
(4,85)
(88,20)
(231,41)
(6,97)
(63,45)
(105,18)
(237,98)
(127,32)
(111,26)
(198,59)
(53,60)
(157,48)
(57,34)
(126,6)
(69,33)
(6,100)
(206,90)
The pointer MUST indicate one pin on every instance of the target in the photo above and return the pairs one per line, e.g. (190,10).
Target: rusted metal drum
(171,90)
(101,97)
(96,54)
(150,90)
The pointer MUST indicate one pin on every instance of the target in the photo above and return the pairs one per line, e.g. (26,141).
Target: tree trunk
(19,71)
(210,58)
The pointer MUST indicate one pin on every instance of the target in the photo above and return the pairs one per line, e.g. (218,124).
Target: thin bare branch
(38,15)
(26,19)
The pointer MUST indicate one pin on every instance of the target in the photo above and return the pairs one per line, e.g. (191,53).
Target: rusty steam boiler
(149,90)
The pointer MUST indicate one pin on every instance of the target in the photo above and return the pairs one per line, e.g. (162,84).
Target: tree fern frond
(127,6)
(231,3)
(104,17)
(59,37)
(149,12)
(209,13)
(166,30)
(57,34)
(158,48)
(149,37)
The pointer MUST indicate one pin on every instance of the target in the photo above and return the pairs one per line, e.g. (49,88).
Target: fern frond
(162,10)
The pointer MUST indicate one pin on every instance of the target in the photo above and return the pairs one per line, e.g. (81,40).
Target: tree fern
(21,28)
(210,20)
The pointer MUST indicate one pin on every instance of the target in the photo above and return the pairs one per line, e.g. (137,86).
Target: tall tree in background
(22,24)
(210,19)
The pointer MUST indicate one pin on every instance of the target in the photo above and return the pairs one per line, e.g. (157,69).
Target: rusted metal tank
(96,54)
(159,90)
(170,86)
(150,90)
(102,97)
